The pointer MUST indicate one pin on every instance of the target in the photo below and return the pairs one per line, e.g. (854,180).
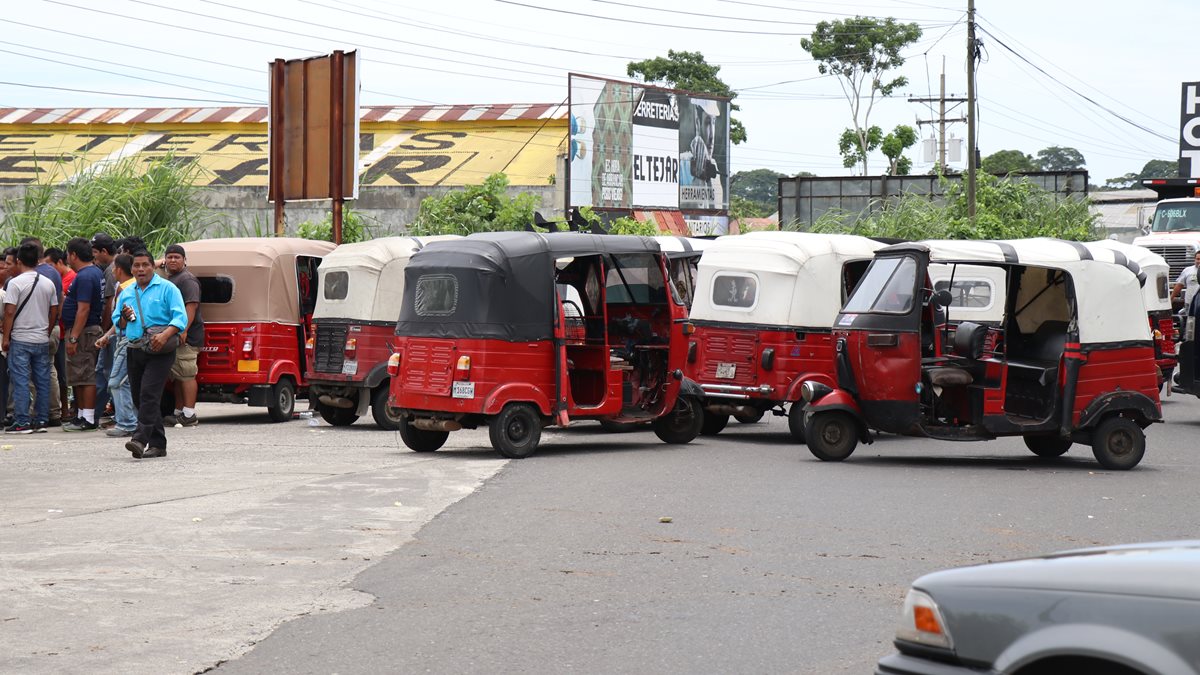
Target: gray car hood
(1161,569)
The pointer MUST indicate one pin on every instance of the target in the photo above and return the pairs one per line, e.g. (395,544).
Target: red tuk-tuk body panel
(250,353)
(1111,370)
(727,356)
(771,362)
(1162,325)
(428,371)
(885,369)
(345,352)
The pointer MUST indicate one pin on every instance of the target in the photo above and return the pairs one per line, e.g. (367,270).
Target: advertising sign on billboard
(646,147)
(1189,132)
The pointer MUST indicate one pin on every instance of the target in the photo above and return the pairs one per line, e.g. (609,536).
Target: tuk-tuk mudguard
(376,377)
(690,387)
(281,368)
(793,392)
(839,399)
(516,392)
(1117,402)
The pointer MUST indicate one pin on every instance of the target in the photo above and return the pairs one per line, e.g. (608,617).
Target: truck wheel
(1118,443)
(385,416)
(750,417)
(682,424)
(422,440)
(283,400)
(832,436)
(338,417)
(713,424)
(796,421)
(1047,446)
(515,432)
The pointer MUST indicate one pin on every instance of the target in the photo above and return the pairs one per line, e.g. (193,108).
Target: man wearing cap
(183,373)
(103,250)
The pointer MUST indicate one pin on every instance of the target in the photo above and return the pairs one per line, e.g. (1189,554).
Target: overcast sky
(1128,58)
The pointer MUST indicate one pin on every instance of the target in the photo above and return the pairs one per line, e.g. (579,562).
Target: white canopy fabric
(796,277)
(1108,294)
(1156,291)
(674,245)
(373,274)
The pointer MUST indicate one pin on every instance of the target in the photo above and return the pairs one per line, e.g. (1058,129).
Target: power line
(647,23)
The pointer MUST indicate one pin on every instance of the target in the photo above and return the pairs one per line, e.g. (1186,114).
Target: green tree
(861,51)
(757,186)
(740,207)
(1056,158)
(475,208)
(354,228)
(689,71)
(893,146)
(856,147)
(1155,168)
(1008,161)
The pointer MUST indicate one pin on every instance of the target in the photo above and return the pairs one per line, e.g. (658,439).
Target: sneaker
(79,424)
(188,420)
(19,429)
(171,420)
(54,422)
(117,433)
(39,427)
(107,423)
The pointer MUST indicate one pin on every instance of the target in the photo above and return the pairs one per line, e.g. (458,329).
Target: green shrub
(475,208)
(354,228)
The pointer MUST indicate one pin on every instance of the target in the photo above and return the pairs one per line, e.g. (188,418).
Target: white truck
(1174,231)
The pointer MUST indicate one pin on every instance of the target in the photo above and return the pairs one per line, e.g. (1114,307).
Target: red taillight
(350,348)
(248,345)
(462,371)
(393,367)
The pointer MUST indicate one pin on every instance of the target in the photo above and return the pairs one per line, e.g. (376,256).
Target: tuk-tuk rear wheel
(1118,443)
(713,423)
(283,400)
(338,417)
(516,431)
(832,435)
(682,424)
(422,440)
(1047,446)
(385,416)
(796,421)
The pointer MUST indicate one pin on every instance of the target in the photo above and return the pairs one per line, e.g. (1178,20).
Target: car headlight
(922,622)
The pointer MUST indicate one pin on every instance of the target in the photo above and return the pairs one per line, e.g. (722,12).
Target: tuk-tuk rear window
(887,286)
(436,295)
(337,285)
(215,290)
(968,293)
(1162,285)
(738,291)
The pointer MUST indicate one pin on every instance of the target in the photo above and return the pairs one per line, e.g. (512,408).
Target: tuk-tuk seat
(964,366)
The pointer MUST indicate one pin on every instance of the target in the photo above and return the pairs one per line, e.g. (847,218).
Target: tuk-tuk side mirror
(942,298)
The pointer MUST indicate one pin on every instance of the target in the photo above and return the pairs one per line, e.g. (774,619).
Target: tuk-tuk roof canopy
(371,287)
(682,247)
(263,270)
(1154,265)
(500,245)
(799,276)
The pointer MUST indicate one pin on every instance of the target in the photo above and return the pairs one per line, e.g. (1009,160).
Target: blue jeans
(125,415)
(104,361)
(28,360)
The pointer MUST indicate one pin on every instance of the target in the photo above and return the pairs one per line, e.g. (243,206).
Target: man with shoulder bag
(152,314)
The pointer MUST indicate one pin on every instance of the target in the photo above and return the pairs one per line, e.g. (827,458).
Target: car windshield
(1177,217)
(886,287)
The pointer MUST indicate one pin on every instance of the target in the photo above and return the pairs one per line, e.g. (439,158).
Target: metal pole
(278,73)
(337,98)
(942,122)
(971,111)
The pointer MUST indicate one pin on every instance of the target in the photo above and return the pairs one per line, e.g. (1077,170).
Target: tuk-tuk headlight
(922,622)
(811,391)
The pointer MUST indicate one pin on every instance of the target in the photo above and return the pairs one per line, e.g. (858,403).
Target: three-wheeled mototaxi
(520,330)
(1074,363)
(763,315)
(683,260)
(354,324)
(257,297)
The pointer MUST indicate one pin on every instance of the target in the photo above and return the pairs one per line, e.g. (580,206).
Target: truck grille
(1178,256)
(328,353)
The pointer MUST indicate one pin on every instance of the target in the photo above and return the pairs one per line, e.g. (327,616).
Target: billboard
(1189,132)
(634,146)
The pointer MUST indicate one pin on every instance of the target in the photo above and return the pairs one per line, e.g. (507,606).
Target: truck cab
(1174,229)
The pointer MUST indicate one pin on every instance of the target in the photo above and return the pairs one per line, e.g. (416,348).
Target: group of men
(96,318)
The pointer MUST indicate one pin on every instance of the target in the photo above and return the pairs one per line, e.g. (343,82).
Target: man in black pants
(150,302)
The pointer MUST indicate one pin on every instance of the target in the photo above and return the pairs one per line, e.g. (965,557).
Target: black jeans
(147,376)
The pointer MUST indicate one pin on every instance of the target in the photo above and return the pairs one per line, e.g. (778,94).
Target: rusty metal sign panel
(313,128)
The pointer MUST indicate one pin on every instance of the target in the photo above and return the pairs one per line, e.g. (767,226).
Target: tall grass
(158,200)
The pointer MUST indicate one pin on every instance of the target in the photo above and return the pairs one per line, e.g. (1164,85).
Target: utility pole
(941,119)
(971,168)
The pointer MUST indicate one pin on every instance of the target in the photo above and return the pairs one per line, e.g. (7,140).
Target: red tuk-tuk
(763,314)
(354,324)
(519,330)
(257,297)
(1075,361)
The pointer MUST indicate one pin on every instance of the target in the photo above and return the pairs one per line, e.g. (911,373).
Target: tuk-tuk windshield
(887,287)
(635,278)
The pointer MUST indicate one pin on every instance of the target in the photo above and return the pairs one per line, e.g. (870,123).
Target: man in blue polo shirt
(81,321)
(151,301)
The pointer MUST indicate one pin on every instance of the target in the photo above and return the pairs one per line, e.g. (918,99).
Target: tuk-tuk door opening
(581,355)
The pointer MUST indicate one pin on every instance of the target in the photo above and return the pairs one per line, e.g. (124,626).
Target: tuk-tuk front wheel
(682,424)
(1118,443)
(283,400)
(386,417)
(422,440)
(516,431)
(831,436)
(796,421)
(713,423)
(338,417)
(1047,446)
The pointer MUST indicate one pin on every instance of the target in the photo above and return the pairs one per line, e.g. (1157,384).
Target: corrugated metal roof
(425,113)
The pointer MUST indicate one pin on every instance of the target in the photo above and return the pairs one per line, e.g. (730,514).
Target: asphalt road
(772,562)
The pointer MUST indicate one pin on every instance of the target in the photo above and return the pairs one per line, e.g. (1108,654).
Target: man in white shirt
(1187,283)
(30,313)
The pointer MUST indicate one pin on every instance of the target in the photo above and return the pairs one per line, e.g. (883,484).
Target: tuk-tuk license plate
(349,367)
(463,390)
(726,371)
